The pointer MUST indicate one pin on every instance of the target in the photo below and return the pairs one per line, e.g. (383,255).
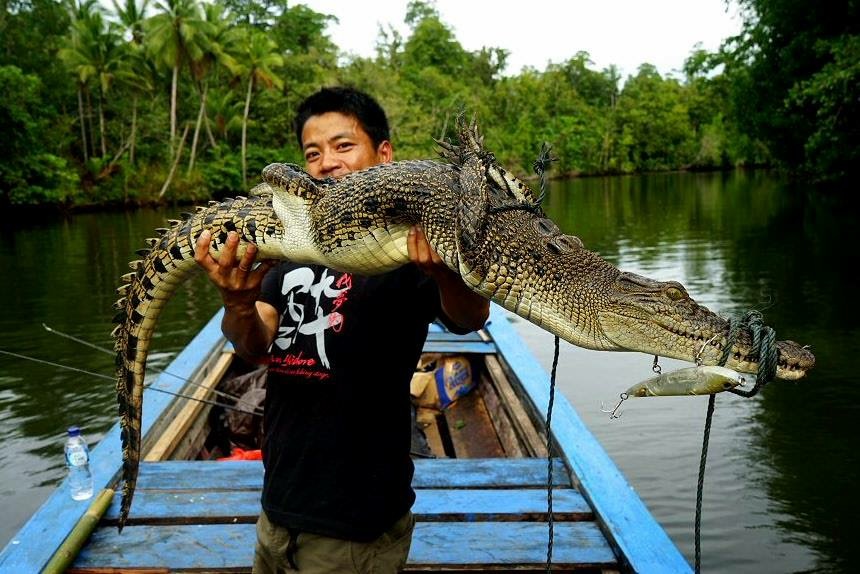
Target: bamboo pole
(73,543)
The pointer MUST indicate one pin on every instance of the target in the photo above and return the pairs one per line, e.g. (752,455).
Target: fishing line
(110,378)
(540,166)
(151,369)
(550,522)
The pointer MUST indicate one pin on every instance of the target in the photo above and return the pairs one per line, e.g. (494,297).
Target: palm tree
(79,13)
(131,16)
(138,76)
(175,37)
(259,57)
(225,111)
(216,52)
(93,52)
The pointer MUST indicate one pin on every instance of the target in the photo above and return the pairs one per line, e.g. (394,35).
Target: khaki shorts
(316,554)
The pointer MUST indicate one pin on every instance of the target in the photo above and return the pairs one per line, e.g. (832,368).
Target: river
(782,467)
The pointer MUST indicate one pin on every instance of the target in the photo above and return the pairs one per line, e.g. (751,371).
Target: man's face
(335,144)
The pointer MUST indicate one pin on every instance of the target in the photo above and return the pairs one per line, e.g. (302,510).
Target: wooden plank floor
(473,515)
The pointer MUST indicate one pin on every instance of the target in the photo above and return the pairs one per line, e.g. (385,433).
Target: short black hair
(347,101)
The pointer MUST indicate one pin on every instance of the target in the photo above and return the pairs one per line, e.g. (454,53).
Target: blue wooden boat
(481,495)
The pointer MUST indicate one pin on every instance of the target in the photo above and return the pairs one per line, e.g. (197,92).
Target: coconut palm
(225,112)
(259,58)
(216,51)
(80,11)
(138,76)
(175,36)
(93,52)
(131,15)
(136,73)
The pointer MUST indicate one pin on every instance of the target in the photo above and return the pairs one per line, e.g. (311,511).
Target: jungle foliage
(183,100)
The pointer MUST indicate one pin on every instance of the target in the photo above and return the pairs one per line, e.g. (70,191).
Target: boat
(482,471)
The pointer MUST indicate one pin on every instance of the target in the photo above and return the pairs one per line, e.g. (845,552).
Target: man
(341,351)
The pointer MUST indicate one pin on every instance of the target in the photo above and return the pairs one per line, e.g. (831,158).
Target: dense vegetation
(186,99)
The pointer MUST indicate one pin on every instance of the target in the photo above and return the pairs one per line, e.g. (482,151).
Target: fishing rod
(255,410)
(153,369)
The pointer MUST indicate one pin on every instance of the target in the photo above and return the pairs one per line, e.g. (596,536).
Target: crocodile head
(660,318)
(509,251)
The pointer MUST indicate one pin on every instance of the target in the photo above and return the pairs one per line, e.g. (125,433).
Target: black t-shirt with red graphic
(338,419)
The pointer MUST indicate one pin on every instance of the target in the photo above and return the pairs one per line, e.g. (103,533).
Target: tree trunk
(102,126)
(174,88)
(133,134)
(245,126)
(175,163)
(212,141)
(90,124)
(197,127)
(83,123)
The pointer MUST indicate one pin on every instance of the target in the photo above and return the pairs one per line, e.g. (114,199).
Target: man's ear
(385,152)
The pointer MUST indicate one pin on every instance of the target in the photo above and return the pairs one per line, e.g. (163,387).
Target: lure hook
(702,350)
(614,414)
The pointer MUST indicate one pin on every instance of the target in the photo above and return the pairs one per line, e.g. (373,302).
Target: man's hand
(249,324)
(464,307)
(423,255)
(236,279)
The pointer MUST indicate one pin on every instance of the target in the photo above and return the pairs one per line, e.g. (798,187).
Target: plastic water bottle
(78,463)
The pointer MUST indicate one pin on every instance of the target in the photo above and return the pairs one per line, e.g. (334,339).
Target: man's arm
(463,306)
(249,324)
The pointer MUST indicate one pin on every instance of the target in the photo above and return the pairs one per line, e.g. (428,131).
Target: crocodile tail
(167,261)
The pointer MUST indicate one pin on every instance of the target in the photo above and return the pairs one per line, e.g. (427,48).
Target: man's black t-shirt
(337,422)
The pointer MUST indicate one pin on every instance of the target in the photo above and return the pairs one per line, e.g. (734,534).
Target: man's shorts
(314,554)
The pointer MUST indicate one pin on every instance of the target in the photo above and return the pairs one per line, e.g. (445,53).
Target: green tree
(215,51)
(30,172)
(259,58)
(31,34)
(652,121)
(131,15)
(93,53)
(136,70)
(176,36)
(795,80)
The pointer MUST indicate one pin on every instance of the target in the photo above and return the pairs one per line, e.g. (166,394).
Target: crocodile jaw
(660,318)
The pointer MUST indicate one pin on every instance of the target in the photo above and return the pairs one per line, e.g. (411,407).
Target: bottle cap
(74,431)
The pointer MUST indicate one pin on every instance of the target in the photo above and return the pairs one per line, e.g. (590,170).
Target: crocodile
(484,222)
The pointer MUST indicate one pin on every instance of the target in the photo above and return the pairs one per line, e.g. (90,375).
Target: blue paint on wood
(213,546)
(32,547)
(634,530)
(448,336)
(184,506)
(429,473)
(486,473)
(508,544)
(477,347)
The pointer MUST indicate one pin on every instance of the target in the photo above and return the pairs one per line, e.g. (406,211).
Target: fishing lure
(699,380)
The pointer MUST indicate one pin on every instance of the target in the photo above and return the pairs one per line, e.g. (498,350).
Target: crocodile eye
(545,227)
(674,293)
